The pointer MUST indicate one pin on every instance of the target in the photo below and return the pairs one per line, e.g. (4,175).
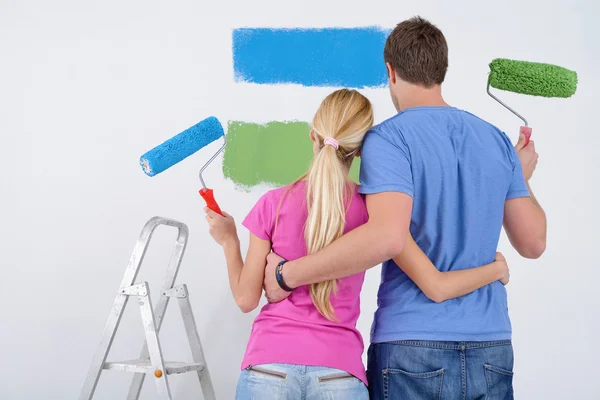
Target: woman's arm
(245,278)
(441,286)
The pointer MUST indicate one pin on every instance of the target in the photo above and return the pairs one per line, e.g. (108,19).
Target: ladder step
(144,366)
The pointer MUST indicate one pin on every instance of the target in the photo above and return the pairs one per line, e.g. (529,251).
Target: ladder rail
(161,307)
(191,330)
(153,345)
(121,298)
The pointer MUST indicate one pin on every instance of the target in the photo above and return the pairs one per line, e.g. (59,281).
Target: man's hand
(273,292)
(527,156)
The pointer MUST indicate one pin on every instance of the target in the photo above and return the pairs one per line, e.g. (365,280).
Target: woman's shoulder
(354,189)
(274,196)
(358,205)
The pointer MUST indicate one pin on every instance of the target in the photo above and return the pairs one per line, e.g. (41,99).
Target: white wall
(87,86)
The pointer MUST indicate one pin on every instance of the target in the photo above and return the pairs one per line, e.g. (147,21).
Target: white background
(86,87)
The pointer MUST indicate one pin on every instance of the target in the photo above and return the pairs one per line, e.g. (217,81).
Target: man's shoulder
(409,121)
(390,129)
(396,128)
(394,123)
(494,133)
(478,120)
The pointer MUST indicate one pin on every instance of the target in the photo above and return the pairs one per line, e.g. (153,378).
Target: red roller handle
(207,195)
(526,131)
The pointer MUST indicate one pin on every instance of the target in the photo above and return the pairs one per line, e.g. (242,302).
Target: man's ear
(391,73)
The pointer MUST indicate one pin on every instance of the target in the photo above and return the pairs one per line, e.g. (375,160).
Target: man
(454,180)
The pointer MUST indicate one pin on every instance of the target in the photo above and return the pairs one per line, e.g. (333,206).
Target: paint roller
(531,78)
(183,145)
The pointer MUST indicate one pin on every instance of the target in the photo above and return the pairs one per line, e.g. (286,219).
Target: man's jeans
(423,370)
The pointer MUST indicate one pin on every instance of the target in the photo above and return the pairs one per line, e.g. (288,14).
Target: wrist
(290,276)
(281,280)
(231,243)
(498,269)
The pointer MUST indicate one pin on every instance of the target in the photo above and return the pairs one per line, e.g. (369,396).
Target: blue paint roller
(183,145)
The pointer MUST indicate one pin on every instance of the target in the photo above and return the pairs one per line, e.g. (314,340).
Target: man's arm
(524,218)
(525,225)
(378,240)
(386,180)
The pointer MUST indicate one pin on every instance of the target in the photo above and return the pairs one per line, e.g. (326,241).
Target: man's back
(459,170)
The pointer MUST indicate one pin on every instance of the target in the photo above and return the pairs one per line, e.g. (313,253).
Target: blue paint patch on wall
(348,57)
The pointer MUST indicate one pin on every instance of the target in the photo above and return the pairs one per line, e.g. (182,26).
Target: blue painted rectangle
(348,57)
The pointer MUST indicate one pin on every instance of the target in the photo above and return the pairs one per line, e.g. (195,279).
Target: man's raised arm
(524,218)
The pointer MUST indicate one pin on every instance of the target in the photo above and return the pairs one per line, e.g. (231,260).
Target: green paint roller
(532,78)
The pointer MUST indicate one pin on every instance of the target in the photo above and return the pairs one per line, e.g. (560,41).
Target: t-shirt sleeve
(385,165)
(259,220)
(517,188)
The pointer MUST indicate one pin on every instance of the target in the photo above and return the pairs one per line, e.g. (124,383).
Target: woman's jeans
(298,382)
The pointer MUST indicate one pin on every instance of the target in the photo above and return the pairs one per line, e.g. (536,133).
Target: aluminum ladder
(151,360)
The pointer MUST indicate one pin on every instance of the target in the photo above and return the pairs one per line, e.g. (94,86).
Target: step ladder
(151,360)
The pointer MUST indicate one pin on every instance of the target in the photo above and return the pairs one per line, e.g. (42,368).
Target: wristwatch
(279,277)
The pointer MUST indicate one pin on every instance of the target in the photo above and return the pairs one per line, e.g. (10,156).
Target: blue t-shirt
(459,171)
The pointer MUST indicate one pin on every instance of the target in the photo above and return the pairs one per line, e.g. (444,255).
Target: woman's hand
(221,227)
(503,265)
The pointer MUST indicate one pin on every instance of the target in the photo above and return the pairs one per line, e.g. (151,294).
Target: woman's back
(293,331)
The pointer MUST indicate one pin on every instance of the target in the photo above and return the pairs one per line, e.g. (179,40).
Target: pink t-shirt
(293,331)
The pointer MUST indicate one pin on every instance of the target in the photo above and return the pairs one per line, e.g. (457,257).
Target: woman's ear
(316,144)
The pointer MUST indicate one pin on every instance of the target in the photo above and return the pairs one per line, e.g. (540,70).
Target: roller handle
(525,131)
(208,196)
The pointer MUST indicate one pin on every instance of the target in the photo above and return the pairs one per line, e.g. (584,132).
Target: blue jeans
(422,370)
(298,382)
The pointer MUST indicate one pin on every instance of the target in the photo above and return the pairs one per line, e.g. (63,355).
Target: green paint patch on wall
(276,153)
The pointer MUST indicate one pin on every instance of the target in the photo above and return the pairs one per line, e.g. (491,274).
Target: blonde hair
(345,115)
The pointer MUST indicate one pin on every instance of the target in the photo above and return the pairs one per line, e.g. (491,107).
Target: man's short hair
(418,51)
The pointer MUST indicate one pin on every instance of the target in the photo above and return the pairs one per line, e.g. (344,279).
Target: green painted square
(276,153)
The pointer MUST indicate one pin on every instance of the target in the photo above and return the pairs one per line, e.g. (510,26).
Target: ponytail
(327,195)
(339,127)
